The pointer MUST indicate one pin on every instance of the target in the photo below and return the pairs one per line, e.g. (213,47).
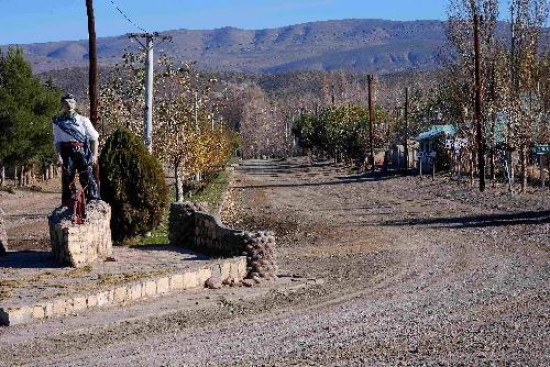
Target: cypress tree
(132,182)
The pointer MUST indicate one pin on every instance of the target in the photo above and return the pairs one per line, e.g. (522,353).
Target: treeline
(514,80)
(341,132)
(196,112)
(189,134)
(263,109)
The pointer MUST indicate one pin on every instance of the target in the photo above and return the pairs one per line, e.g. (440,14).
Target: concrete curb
(122,295)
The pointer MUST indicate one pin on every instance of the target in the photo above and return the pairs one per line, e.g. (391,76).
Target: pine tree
(26,109)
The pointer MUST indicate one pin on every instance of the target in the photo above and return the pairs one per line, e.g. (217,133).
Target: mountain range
(357,45)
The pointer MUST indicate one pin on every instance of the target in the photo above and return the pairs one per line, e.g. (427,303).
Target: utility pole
(406,143)
(197,110)
(149,63)
(371,121)
(478,106)
(94,101)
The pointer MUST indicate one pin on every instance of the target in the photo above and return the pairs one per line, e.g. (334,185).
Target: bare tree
(461,33)
(527,19)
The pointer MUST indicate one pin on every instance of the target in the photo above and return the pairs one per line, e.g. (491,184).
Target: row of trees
(514,76)
(189,133)
(341,132)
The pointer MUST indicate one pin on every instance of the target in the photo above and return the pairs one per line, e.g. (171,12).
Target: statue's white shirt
(82,124)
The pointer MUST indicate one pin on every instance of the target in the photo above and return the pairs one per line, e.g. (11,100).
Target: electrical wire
(127,18)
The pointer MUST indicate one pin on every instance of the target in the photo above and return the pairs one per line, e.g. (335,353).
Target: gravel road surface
(415,273)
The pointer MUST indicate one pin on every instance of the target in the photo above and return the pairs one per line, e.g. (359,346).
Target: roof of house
(437,130)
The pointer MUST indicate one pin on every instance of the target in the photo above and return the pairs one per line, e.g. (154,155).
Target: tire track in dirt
(398,289)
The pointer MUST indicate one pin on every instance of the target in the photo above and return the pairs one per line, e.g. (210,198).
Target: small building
(397,154)
(427,140)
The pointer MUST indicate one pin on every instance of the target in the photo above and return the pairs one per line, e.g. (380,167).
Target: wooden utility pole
(478,106)
(406,143)
(371,121)
(94,91)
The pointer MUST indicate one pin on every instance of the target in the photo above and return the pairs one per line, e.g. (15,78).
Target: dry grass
(8,286)
(117,279)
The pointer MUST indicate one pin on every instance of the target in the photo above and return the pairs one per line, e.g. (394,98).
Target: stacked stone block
(78,245)
(260,255)
(123,295)
(181,221)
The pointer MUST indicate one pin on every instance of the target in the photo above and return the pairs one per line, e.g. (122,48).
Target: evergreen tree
(132,182)
(26,109)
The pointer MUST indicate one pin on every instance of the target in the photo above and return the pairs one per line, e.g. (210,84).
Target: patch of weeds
(8,189)
(158,237)
(7,287)
(212,194)
(117,279)
(214,191)
(79,272)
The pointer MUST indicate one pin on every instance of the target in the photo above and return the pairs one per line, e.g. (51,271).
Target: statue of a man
(76,145)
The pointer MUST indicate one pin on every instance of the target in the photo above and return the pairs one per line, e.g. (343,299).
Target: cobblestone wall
(78,245)
(3,236)
(193,228)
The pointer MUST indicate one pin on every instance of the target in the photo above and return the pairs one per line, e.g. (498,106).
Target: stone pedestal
(79,245)
(3,236)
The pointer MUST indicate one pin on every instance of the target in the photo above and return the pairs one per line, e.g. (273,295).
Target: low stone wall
(181,223)
(191,227)
(122,295)
(78,245)
(3,236)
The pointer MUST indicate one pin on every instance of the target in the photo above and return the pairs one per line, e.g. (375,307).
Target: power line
(126,17)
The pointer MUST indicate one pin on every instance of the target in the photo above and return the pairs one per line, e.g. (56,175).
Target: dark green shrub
(132,182)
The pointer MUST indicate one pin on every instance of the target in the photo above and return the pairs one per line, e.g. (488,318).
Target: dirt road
(415,273)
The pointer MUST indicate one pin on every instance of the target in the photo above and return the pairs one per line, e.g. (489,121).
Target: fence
(24,176)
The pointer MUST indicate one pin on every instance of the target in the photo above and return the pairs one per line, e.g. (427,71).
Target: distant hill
(356,45)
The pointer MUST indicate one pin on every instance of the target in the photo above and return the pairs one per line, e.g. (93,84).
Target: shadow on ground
(340,180)
(28,260)
(171,248)
(476,221)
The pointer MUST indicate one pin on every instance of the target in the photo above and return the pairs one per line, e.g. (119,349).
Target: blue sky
(34,21)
